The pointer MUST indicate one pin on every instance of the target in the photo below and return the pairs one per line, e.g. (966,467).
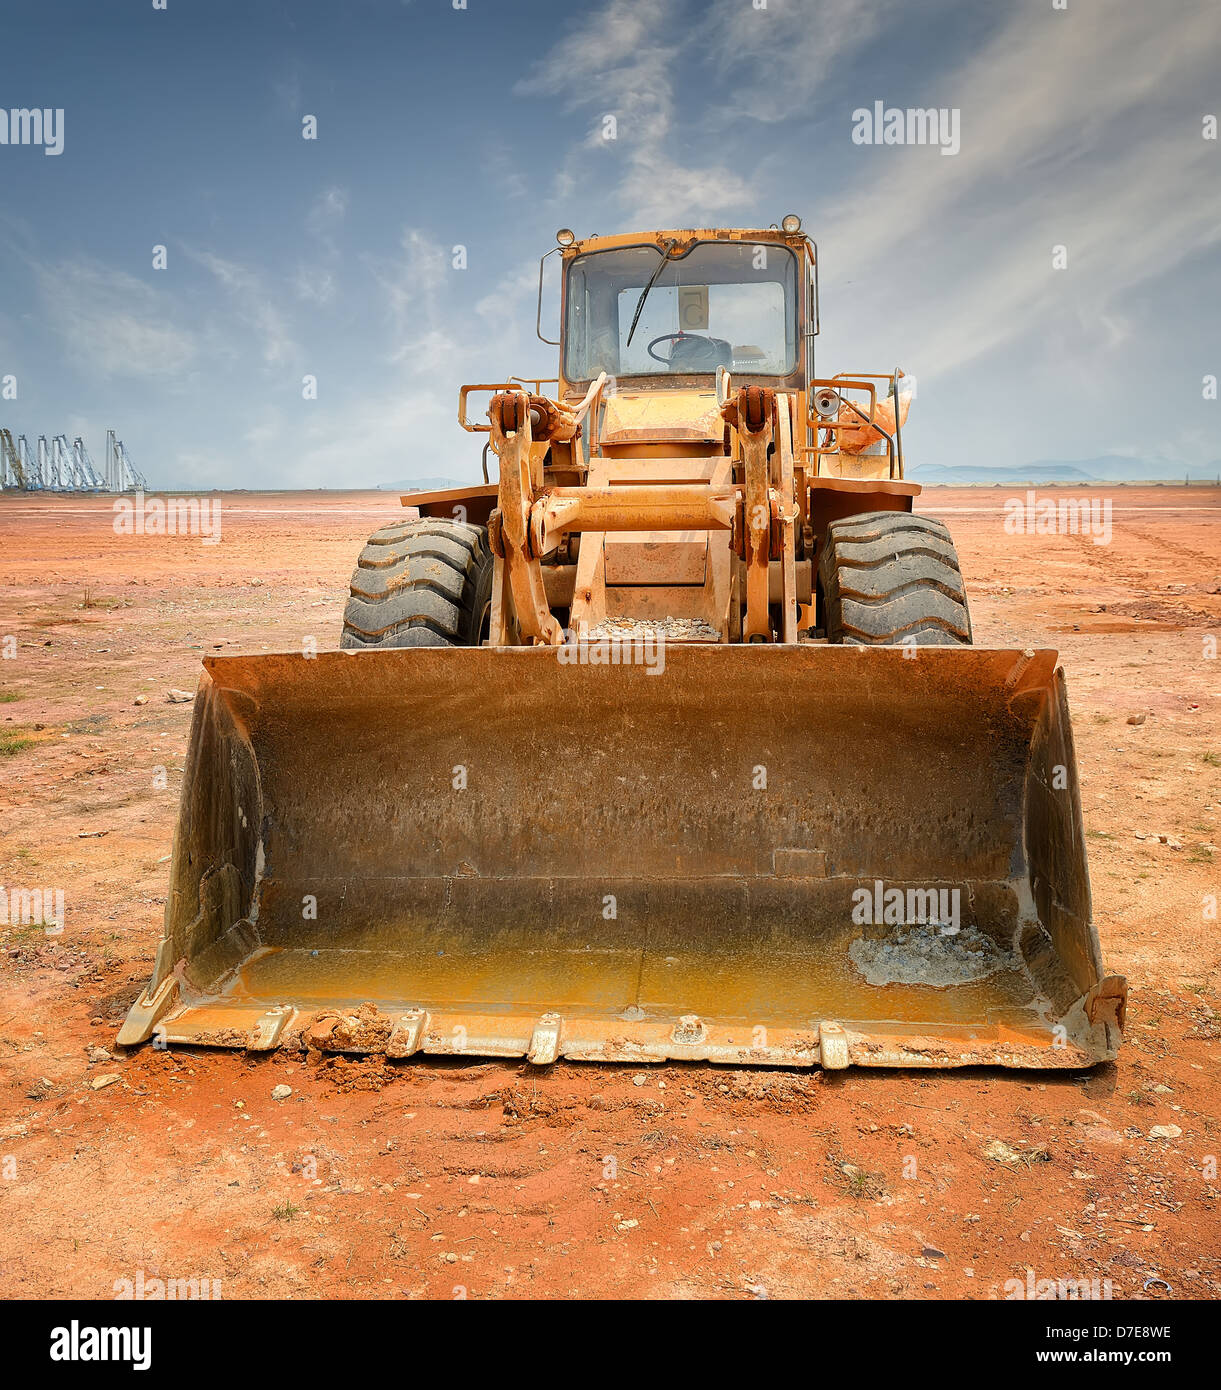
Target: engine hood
(662,416)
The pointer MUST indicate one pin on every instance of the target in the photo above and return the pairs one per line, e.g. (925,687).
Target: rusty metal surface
(752,413)
(662,415)
(516,562)
(632,507)
(865,487)
(446,497)
(634,862)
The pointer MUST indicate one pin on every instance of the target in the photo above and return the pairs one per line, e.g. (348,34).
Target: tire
(425,583)
(892,577)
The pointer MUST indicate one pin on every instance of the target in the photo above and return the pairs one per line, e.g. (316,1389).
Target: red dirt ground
(435,1177)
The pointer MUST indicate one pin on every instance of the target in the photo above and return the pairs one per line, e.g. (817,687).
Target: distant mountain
(1108,468)
(1120,468)
(421,485)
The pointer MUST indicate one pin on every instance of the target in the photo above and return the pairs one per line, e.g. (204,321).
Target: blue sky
(483,128)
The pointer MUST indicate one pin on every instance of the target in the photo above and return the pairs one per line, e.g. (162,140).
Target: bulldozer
(669,740)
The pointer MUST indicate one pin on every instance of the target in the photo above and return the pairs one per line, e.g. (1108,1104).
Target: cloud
(771,63)
(658,191)
(326,216)
(516,294)
(111,324)
(414,285)
(1109,169)
(314,280)
(380,437)
(313,284)
(396,417)
(614,63)
(614,49)
(254,306)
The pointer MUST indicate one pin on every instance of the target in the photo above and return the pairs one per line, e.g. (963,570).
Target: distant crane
(74,466)
(29,464)
(135,478)
(56,466)
(46,465)
(86,466)
(64,464)
(121,474)
(12,474)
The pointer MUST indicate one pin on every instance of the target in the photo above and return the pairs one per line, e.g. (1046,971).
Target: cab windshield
(724,304)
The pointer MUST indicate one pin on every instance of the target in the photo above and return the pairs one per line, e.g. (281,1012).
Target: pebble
(1094,1136)
(1000,1151)
(1165,1132)
(281,1092)
(108,1079)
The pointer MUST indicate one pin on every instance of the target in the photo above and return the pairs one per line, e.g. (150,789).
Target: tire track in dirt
(1118,571)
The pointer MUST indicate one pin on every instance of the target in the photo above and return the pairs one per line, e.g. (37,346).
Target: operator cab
(665,311)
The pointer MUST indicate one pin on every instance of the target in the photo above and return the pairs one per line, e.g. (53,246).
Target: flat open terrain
(379,1179)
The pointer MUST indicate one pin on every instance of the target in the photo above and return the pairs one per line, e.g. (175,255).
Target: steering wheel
(665,338)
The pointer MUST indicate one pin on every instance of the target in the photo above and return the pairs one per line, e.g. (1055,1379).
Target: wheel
(892,577)
(425,583)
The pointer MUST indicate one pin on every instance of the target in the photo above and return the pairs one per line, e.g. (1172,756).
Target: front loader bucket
(790,855)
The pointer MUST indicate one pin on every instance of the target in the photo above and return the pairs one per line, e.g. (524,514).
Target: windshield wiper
(644,294)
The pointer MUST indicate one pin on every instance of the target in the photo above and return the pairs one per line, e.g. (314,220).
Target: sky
(1081,125)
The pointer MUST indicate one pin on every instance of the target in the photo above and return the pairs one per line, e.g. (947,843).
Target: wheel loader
(668,740)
